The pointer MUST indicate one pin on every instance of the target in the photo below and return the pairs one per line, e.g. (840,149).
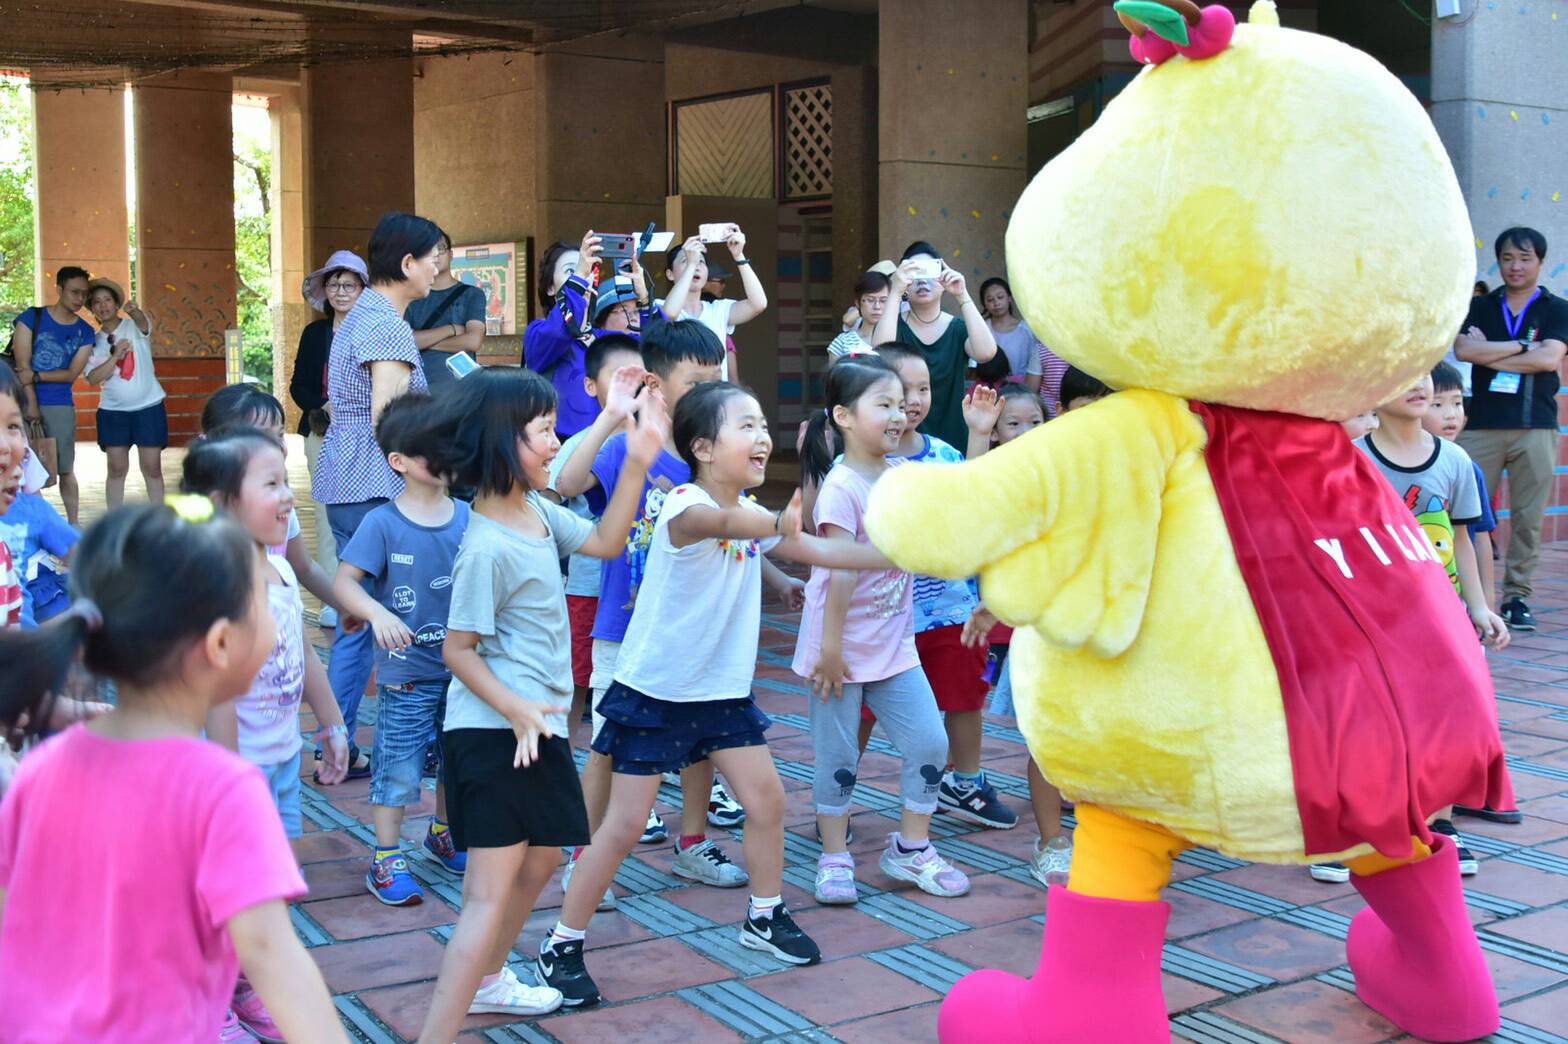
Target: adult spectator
(1516,337)
(1031,362)
(52,345)
(871,295)
(333,288)
(948,342)
(130,399)
(450,320)
(688,274)
(372,361)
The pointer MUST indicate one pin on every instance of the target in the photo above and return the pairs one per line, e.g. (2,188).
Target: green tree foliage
(16,197)
(253,247)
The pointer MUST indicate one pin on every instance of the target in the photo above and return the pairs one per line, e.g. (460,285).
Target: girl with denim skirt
(682,688)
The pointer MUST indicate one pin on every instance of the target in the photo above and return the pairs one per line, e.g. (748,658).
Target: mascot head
(1263,218)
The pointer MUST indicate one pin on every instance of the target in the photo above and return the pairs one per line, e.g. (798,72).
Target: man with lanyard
(450,320)
(1516,337)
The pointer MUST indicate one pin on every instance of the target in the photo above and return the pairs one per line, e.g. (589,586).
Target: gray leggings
(907,711)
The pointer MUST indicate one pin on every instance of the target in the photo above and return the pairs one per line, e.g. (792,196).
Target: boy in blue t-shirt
(1446,419)
(40,541)
(677,355)
(397,573)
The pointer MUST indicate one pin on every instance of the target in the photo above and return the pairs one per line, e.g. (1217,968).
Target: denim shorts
(283,780)
(407,719)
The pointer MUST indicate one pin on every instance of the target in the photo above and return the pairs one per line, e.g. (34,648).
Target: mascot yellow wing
(1062,524)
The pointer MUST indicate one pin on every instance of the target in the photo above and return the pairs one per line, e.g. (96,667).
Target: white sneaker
(508,996)
(707,864)
(723,810)
(1330,873)
(925,868)
(1051,862)
(607,903)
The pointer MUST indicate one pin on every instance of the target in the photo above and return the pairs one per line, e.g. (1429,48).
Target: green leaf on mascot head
(1161,20)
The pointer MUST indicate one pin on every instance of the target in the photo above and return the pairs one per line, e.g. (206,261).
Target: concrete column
(855,174)
(1500,104)
(952,94)
(185,232)
(79,151)
(358,151)
(290,313)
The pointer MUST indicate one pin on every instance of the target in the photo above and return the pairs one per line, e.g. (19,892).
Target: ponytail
(37,662)
(817,451)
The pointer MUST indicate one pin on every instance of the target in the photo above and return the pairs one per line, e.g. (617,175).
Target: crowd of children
(620,572)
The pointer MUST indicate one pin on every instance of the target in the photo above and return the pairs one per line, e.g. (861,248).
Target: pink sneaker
(247,1006)
(231,1032)
(923,868)
(836,879)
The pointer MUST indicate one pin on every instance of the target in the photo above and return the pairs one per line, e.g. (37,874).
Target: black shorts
(147,427)
(644,736)
(491,804)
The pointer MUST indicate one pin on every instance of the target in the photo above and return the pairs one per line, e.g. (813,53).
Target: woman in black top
(333,288)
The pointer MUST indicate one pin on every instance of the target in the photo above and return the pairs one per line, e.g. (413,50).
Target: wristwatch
(742,261)
(1524,346)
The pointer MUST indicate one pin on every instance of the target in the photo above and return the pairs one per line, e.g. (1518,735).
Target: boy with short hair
(406,549)
(1436,480)
(40,541)
(1446,419)
(942,608)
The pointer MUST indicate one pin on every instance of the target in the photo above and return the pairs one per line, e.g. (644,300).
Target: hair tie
(192,507)
(87,611)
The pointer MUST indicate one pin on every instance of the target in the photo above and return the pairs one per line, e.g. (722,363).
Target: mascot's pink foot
(1098,979)
(1415,955)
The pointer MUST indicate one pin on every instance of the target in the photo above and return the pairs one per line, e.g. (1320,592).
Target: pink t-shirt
(268,714)
(879,629)
(123,862)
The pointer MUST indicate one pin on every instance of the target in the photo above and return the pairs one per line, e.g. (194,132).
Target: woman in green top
(947,341)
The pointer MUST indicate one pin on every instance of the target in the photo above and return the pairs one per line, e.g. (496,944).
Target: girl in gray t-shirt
(512,790)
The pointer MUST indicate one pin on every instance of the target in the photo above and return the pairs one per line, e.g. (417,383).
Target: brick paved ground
(1255,953)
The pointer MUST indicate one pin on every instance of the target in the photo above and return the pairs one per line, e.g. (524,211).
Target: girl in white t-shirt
(688,274)
(130,399)
(242,471)
(682,689)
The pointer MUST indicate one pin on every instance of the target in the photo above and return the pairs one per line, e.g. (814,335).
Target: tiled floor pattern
(1255,953)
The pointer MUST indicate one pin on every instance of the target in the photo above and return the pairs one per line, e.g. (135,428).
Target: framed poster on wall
(501,271)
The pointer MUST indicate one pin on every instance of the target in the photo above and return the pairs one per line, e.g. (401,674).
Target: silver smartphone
(461,364)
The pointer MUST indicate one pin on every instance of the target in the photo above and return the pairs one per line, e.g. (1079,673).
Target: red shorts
(580,609)
(956,672)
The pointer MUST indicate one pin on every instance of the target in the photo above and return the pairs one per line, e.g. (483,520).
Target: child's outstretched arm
(284,974)
(982,409)
(626,391)
(314,579)
(329,718)
(643,446)
(1488,624)
(1485,566)
(390,631)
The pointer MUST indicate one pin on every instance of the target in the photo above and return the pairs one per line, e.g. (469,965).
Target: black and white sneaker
(1468,865)
(560,965)
(1517,615)
(1490,814)
(780,936)
(1330,873)
(975,804)
(723,810)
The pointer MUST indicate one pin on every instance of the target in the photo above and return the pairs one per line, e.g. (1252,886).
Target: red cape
(1388,702)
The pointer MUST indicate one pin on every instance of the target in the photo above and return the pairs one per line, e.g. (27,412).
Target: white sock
(562,934)
(763,908)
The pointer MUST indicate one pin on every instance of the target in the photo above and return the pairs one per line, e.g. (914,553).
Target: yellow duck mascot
(1231,632)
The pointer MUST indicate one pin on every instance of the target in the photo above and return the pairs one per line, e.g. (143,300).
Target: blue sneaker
(445,850)
(390,882)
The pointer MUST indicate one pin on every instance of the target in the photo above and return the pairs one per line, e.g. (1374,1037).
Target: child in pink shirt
(141,866)
(857,643)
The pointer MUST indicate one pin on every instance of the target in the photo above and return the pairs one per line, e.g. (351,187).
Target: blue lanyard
(1513,322)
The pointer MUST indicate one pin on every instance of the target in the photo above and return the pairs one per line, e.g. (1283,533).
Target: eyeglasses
(343,288)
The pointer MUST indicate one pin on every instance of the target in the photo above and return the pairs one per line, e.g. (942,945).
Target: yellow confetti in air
(1478,244)
(1513,115)
(952,72)
(913,211)
(1556,196)
(996,157)
(957,253)
(171,288)
(974,213)
(606,195)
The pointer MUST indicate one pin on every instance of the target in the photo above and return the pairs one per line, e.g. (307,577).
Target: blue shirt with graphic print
(938,602)
(55,344)
(621,575)
(410,567)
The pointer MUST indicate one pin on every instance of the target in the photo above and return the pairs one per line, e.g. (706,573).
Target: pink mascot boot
(1415,955)
(1098,979)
